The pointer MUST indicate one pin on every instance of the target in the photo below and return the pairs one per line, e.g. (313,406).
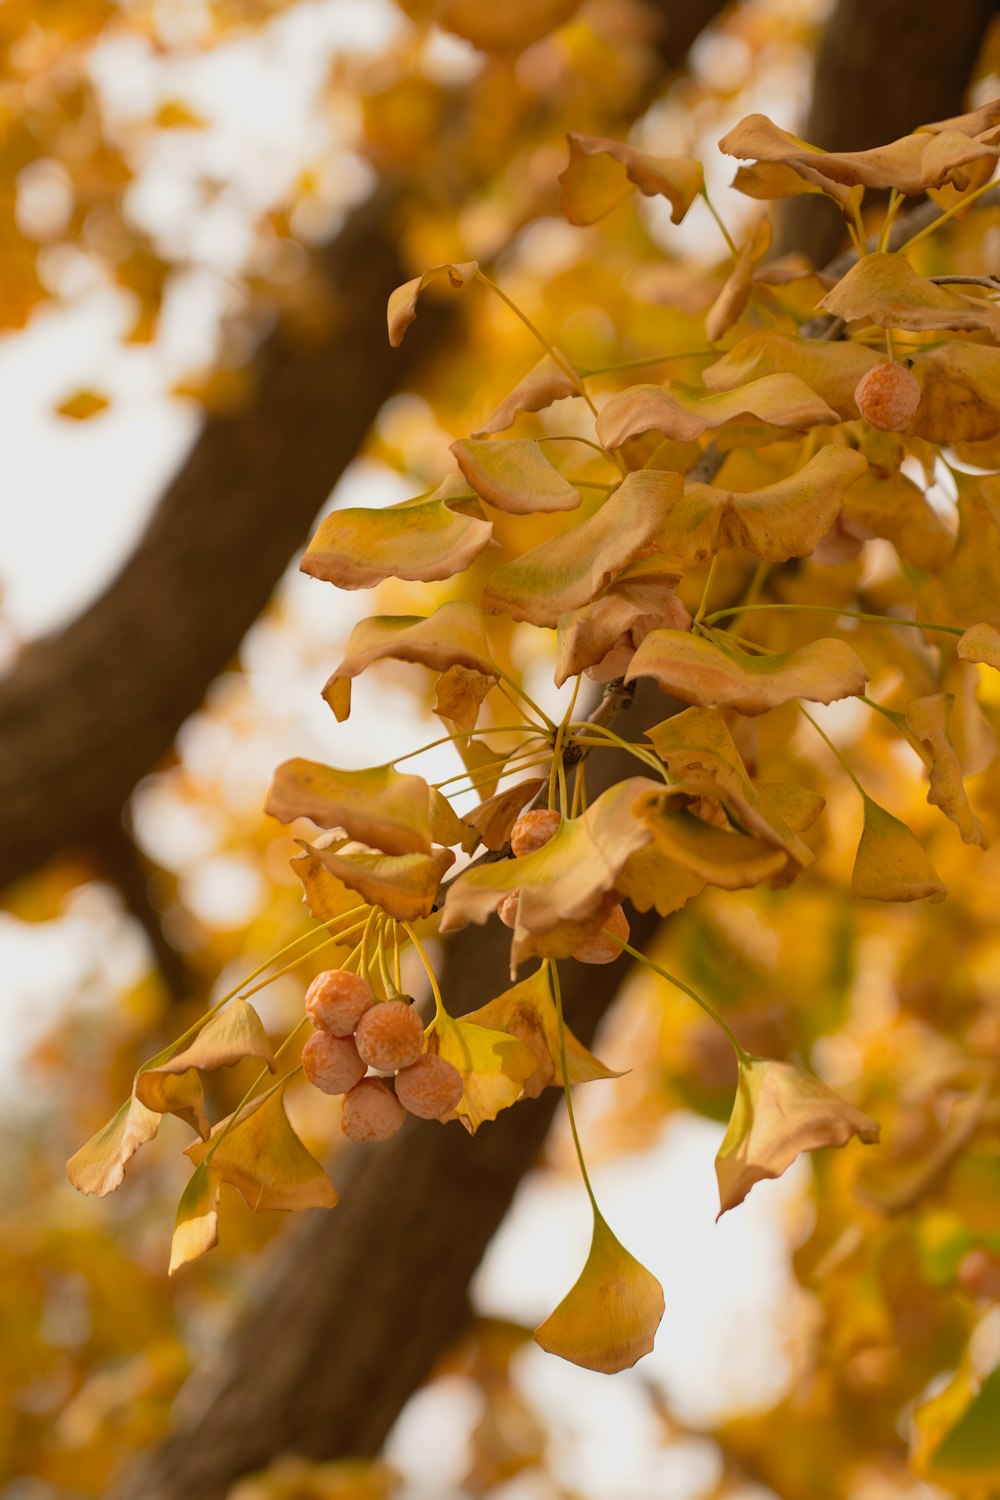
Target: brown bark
(882,69)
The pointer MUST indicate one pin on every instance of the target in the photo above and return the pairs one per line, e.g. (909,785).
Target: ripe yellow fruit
(888,396)
(331,1063)
(371,1112)
(507,909)
(533,829)
(600,949)
(430,1087)
(336,1000)
(390,1035)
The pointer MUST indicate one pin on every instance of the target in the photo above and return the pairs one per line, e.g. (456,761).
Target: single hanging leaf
(432,537)
(959,393)
(196,1230)
(494,818)
(601,638)
(261,1155)
(99,1166)
(459,694)
(454,635)
(927,718)
(735,294)
(706,672)
(981,643)
(379,806)
(602,173)
(780,1111)
(514,475)
(829,367)
(885,290)
(402,307)
(544,383)
(779,521)
(528,1012)
(890,864)
(404,886)
(566,572)
(493,1066)
(684,413)
(609,1317)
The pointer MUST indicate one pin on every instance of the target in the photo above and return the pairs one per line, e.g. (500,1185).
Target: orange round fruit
(430,1087)
(533,829)
(390,1035)
(888,396)
(371,1112)
(601,949)
(336,1000)
(331,1063)
(507,909)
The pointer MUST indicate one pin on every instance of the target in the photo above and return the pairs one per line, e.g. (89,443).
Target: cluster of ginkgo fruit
(356,1031)
(530,833)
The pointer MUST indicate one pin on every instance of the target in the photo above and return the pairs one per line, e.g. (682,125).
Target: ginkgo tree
(826,406)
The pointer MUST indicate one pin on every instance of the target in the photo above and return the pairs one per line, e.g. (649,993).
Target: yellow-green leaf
(706,672)
(602,173)
(432,537)
(196,1230)
(260,1154)
(493,1066)
(713,855)
(957,1434)
(454,635)
(684,413)
(780,1111)
(404,886)
(402,307)
(890,864)
(379,806)
(566,572)
(609,1317)
(514,475)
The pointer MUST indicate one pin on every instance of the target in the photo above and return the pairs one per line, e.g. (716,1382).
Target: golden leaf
(830,367)
(566,572)
(609,1317)
(928,720)
(196,1229)
(494,818)
(780,1111)
(405,886)
(733,297)
(885,290)
(459,694)
(706,672)
(959,393)
(981,643)
(379,806)
(260,1154)
(402,307)
(956,1434)
(544,383)
(493,1066)
(602,173)
(892,506)
(601,638)
(514,475)
(782,401)
(99,1166)
(890,864)
(498,28)
(226,1038)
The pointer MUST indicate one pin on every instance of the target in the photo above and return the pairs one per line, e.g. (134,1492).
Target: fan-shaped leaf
(459,694)
(706,672)
(402,307)
(514,475)
(259,1153)
(830,367)
(493,1065)
(981,643)
(405,886)
(601,637)
(928,718)
(196,1230)
(602,173)
(733,298)
(544,383)
(892,506)
(890,864)
(494,818)
(959,393)
(782,401)
(99,1166)
(886,290)
(379,806)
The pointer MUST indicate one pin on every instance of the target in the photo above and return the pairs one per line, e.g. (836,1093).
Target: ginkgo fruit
(888,396)
(430,1087)
(336,1000)
(601,949)
(390,1035)
(331,1063)
(533,829)
(371,1112)
(507,908)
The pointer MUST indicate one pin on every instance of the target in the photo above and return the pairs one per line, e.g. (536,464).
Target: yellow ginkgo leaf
(968,586)
(196,1229)
(514,475)
(830,367)
(885,290)
(83,405)
(260,1154)
(716,856)
(735,293)
(494,818)
(601,637)
(402,307)
(602,173)
(99,1166)
(528,1012)
(229,1036)
(780,1111)
(493,1065)
(892,506)
(959,393)
(781,401)
(566,572)
(459,694)
(453,636)
(404,886)
(890,864)
(779,521)
(927,718)
(380,806)
(609,1317)
(981,643)
(710,673)
(770,180)
(431,537)
(956,1434)
(544,383)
